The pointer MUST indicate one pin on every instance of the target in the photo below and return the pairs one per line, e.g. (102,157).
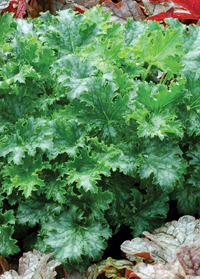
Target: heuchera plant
(173,249)
(99,127)
(170,252)
(33,265)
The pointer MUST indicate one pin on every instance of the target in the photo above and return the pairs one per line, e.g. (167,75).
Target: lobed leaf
(8,245)
(102,111)
(191,48)
(161,49)
(32,211)
(30,135)
(163,245)
(33,265)
(166,168)
(86,170)
(67,137)
(76,74)
(73,32)
(63,232)
(146,211)
(5,23)
(24,176)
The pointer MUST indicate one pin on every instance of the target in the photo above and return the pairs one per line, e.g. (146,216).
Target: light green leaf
(191,114)
(38,57)
(191,47)
(123,81)
(86,170)
(151,109)
(157,124)
(161,48)
(133,31)
(104,57)
(102,111)
(28,137)
(24,176)
(76,72)
(96,15)
(66,35)
(109,155)
(5,23)
(24,28)
(158,96)
(67,137)
(164,162)
(105,50)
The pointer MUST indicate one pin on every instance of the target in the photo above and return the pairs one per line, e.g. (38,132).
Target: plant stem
(147,71)
(163,78)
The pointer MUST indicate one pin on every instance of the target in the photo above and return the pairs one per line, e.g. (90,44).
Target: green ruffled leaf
(147,212)
(73,32)
(151,110)
(14,73)
(191,112)
(109,155)
(159,96)
(106,46)
(72,236)
(102,55)
(15,108)
(5,23)
(191,41)
(105,110)
(163,161)
(7,245)
(76,73)
(85,170)
(133,32)
(28,137)
(188,199)
(161,48)
(157,124)
(67,137)
(24,176)
(36,210)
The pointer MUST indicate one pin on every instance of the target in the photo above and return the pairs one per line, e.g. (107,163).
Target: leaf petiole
(147,71)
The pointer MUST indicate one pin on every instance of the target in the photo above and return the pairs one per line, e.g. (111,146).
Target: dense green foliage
(99,127)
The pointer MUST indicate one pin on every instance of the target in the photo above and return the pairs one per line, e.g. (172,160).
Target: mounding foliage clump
(99,128)
(171,251)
